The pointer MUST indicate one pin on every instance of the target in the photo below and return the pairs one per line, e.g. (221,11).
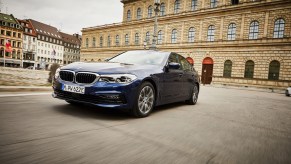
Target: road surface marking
(25,94)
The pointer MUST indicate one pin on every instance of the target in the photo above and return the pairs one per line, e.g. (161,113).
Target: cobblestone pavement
(23,77)
(226,126)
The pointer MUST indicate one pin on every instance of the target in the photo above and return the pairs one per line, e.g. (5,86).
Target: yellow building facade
(233,42)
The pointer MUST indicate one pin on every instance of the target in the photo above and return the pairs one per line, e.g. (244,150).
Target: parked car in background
(135,81)
(30,67)
(288,91)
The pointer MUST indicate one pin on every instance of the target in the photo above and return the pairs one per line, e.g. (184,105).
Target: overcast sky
(68,15)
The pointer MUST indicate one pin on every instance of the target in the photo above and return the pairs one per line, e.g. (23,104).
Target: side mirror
(174,65)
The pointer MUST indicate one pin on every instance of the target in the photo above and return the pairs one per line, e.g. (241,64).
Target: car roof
(164,52)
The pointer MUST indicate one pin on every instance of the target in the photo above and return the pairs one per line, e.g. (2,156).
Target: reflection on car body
(135,81)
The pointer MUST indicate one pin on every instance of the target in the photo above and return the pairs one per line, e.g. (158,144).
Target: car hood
(114,68)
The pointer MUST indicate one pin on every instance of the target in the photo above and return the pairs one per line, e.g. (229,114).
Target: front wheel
(194,95)
(73,102)
(145,100)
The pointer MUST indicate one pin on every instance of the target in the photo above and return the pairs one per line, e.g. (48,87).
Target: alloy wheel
(195,94)
(146,100)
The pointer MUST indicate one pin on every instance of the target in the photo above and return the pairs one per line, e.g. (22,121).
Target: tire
(194,96)
(287,93)
(73,102)
(145,101)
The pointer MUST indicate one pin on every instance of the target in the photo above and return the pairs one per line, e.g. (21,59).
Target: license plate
(74,89)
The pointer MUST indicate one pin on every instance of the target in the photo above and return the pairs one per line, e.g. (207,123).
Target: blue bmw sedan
(135,81)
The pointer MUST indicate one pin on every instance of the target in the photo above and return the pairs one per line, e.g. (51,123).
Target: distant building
(72,45)
(50,47)
(29,44)
(233,42)
(12,32)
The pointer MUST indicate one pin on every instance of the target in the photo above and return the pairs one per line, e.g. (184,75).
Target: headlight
(118,78)
(57,74)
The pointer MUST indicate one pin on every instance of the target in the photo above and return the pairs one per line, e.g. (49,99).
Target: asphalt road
(226,126)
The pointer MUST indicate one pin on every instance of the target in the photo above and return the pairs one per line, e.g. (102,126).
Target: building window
(87,42)
(108,41)
(254,30)
(279,28)
(227,68)
(191,35)
(128,18)
(117,40)
(138,14)
(8,33)
(160,37)
(274,70)
(213,3)
(147,38)
(136,39)
(234,2)
(94,42)
(174,36)
(126,39)
(150,11)
(249,69)
(177,6)
(163,9)
(193,5)
(231,32)
(101,41)
(210,33)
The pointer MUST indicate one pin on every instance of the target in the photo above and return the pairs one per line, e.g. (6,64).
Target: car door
(187,79)
(172,82)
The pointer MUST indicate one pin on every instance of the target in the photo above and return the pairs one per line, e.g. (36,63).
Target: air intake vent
(67,76)
(86,78)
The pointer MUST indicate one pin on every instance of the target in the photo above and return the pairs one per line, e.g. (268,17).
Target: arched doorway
(207,71)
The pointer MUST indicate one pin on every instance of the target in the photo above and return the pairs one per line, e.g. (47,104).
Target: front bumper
(100,94)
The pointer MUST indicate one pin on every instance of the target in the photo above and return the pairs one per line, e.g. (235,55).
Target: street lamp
(157,10)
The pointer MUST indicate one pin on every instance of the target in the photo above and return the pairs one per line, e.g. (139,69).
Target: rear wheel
(287,93)
(145,100)
(194,96)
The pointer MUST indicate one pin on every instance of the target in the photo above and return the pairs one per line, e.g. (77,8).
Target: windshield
(141,57)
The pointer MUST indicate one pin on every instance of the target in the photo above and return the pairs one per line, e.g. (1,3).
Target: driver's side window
(185,64)
(173,58)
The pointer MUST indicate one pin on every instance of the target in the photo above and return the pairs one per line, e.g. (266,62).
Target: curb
(24,89)
(269,90)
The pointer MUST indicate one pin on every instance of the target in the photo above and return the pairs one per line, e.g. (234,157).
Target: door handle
(180,74)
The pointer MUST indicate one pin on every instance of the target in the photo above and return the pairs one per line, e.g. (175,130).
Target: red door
(207,71)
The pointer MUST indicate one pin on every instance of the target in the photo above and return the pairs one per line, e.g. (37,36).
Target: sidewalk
(270,90)
(24,88)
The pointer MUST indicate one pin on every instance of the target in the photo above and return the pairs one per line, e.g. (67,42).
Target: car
(135,81)
(30,67)
(288,91)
